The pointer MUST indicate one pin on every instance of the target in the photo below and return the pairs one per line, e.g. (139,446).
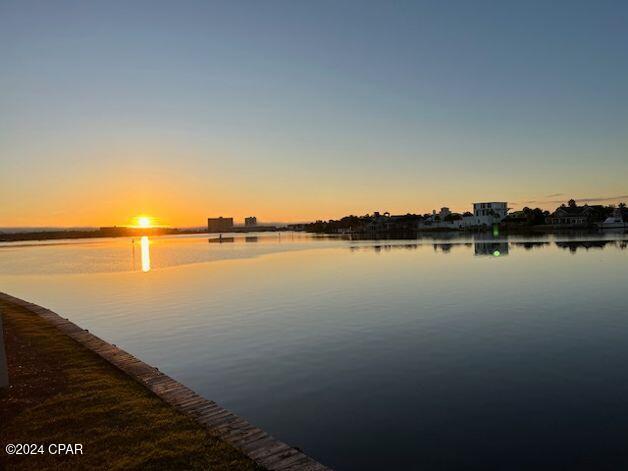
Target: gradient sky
(293,110)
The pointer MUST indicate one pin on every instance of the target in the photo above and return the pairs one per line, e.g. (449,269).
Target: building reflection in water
(486,246)
(145,251)
(220,240)
(489,248)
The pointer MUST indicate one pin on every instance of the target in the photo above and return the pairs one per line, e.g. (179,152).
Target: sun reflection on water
(145,246)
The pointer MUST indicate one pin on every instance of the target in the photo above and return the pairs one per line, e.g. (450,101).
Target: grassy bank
(63,393)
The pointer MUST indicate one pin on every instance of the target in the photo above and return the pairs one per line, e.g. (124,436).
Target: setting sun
(144,221)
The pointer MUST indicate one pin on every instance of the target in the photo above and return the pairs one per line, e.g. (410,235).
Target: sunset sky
(293,111)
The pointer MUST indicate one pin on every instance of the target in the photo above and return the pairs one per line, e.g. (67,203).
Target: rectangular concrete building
(220,224)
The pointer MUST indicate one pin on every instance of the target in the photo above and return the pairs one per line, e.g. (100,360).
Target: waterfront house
(487,214)
(484,214)
(444,219)
(576,216)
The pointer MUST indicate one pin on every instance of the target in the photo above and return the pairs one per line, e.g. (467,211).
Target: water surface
(460,352)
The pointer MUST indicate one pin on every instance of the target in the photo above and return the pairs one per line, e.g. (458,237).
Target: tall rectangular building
(497,209)
(250,221)
(487,214)
(219,224)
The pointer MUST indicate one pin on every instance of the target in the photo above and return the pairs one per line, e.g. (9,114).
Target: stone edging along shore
(248,439)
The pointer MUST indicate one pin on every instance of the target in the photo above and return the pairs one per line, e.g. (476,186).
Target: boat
(615,221)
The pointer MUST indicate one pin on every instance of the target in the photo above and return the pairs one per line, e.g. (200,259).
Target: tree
(537,216)
(572,203)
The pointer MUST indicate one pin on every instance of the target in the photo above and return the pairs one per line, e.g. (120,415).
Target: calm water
(459,353)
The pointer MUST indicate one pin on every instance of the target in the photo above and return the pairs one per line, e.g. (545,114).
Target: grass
(63,393)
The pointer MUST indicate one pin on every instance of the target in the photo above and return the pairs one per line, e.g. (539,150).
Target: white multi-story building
(487,214)
(484,214)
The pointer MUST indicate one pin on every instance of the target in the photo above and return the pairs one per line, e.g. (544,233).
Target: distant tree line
(525,217)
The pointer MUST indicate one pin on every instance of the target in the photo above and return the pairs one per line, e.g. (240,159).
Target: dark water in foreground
(427,354)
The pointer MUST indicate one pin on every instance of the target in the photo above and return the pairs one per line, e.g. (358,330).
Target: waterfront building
(576,216)
(487,214)
(219,224)
(444,212)
(250,221)
(484,214)
(444,218)
(496,209)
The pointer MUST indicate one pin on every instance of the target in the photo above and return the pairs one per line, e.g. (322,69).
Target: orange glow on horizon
(181,208)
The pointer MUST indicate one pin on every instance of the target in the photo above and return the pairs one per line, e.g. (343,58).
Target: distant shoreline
(87,234)
(117,232)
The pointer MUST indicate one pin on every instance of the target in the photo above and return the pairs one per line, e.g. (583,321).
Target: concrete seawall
(4,373)
(253,442)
